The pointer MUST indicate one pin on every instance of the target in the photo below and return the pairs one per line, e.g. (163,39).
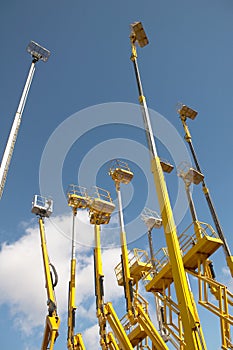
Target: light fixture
(187,112)
(38,52)
(139,34)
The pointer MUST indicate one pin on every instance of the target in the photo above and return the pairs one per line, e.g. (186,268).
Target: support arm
(128,286)
(192,328)
(107,340)
(229,257)
(6,159)
(117,327)
(135,312)
(52,320)
(74,342)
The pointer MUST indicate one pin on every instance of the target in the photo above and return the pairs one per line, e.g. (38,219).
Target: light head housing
(38,52)
(138,34)
(187,112)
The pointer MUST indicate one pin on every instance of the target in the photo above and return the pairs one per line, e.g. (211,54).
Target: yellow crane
(121,173)
(187,112)
(100,210)
(193,335)
(77,199)
(43,207)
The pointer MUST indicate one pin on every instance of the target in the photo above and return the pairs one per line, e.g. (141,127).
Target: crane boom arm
(78,341)
(192,329)
(127,280)
(99,290)
(117,327)
(71,305)
(74,341)
(128,287)
(52,320)
(6,159)
(145,321)
(134,310)
(105,311)
(227,251)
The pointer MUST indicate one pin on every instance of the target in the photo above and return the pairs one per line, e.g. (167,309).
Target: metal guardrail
(187,239)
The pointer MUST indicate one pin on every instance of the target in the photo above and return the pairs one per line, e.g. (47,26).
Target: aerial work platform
(139,265)
(137,335)
(77,197)
(200,250)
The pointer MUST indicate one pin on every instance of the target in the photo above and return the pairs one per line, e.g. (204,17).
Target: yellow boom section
(192,329)
(52,320)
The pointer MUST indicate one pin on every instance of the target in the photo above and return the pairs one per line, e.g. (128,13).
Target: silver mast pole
(6,159)
(38,53)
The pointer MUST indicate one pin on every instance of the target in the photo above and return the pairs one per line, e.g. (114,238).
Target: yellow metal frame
(196,250)
(221,305)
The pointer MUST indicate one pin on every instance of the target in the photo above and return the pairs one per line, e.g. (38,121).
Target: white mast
(38,53)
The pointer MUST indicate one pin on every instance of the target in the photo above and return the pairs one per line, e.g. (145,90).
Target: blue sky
(81,112)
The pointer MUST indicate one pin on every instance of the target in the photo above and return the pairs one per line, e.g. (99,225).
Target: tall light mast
(187,112)
(193,335)
(38,53)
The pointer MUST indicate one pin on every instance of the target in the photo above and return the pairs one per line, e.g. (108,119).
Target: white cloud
(91,337)
(22,285)
(22,279)
(226,278)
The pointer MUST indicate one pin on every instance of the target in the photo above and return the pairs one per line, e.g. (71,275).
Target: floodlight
(38,52)
(139,34)
(187,112)
(42,206)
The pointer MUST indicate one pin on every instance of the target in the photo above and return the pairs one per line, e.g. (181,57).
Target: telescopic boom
(193,335)
(42,207)
(186,112)
(38,53)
